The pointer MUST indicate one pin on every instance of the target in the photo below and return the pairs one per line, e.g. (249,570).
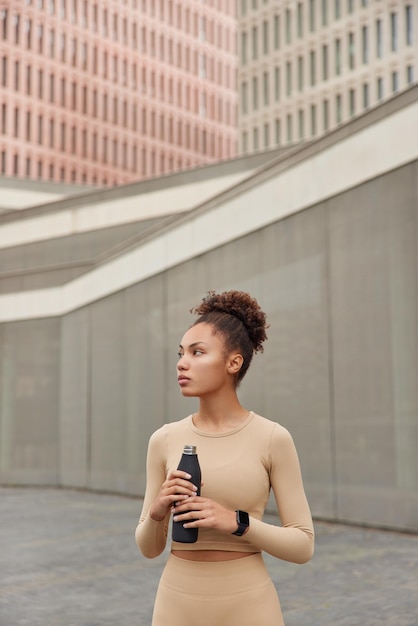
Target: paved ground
(68,558)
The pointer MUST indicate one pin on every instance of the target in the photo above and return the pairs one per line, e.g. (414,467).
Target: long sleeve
(150,535)
(294,540)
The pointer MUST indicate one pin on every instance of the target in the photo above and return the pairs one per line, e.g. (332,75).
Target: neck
(220,412)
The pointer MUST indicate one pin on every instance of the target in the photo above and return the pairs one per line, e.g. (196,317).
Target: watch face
(243,518)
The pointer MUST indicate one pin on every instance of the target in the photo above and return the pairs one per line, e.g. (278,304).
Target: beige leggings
(225,593)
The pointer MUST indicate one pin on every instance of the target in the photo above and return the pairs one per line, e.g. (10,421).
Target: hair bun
(241,305)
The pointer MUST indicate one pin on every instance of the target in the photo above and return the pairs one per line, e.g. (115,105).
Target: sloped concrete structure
(324,235)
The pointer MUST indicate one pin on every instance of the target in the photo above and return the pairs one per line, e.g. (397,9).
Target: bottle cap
(188,449)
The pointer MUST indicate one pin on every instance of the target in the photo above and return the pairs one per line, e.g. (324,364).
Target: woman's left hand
(198,512)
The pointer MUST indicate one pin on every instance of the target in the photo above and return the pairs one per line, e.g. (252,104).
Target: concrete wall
(80,394)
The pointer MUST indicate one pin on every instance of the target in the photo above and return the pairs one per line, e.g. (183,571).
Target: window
(63,136)
(40,38)
(351,51)
(73,139)
(276,32)
(4,21)
(312,62)
(338,57)
(17,75)
(63,44)
(4,71)
(350,6)
(278,132)
(325,109)
(63,91)
(409,74)
(395,81)
(244,98)
(301,124)
(265,37)
(324,12)
(379,39)
(289,129)
(325,62)
(288,26)
(40,129)
(51,88)
(338,109)
(266,89)
(255,138)
(16,20)
(394,31)
(300,20)
(365,44)
(254,33)
(244,141)
(84,100)
(3,119)
(277,84)
(313,120)
(312,15)
(379,88)
(365,95)
(255,93)
(28,79)
(40,83)
(28,126)
(266,135)
(244,43)
(300,73)
(16,122)
(337,9)
(51,133)
(408,25)
(28,30)
(288,78)
(352,99)
(51,43)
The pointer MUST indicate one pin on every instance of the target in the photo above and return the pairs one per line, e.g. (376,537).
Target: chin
(188,394)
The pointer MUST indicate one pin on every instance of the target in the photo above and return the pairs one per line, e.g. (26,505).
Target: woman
(221,580)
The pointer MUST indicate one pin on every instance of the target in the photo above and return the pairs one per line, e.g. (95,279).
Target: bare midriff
(210,555)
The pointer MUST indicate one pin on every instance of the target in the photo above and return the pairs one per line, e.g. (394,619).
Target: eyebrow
(193,345)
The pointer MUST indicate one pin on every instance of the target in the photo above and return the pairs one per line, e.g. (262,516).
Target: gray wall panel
(180,297)
(29,402)
(371,273)
(296,370)
(108,416)
(145,375)
(74,422)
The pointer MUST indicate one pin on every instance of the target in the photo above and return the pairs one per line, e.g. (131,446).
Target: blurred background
(153,150)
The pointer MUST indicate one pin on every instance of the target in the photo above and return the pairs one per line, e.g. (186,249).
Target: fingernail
(188,476)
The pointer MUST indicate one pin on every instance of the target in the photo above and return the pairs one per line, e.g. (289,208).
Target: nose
(182,363)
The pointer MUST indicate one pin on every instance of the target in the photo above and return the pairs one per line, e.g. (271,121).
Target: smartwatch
(243,521)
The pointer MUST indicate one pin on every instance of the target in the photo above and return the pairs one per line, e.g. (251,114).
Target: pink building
(109,91)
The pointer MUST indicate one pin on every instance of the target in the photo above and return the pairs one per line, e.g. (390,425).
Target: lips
(182,379)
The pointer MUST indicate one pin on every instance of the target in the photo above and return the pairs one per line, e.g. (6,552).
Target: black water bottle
(188,463)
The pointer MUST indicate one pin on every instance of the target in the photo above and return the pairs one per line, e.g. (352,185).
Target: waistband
(219,577)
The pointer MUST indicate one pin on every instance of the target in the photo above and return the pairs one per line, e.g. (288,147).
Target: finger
(178,474)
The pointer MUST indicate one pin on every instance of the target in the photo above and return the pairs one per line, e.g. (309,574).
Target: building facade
(104,92)
(305,67)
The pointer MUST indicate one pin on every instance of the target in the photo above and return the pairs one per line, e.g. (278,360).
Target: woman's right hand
(176,487)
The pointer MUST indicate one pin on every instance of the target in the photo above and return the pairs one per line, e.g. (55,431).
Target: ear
(235,361)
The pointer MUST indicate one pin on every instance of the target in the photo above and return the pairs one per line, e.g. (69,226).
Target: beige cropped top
(239,468)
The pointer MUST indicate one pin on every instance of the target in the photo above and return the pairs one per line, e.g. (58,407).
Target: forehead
(201,332)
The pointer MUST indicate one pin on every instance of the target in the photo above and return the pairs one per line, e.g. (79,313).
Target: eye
(179,355)
(197,352)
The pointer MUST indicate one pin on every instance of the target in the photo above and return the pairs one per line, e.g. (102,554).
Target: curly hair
(238,318)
